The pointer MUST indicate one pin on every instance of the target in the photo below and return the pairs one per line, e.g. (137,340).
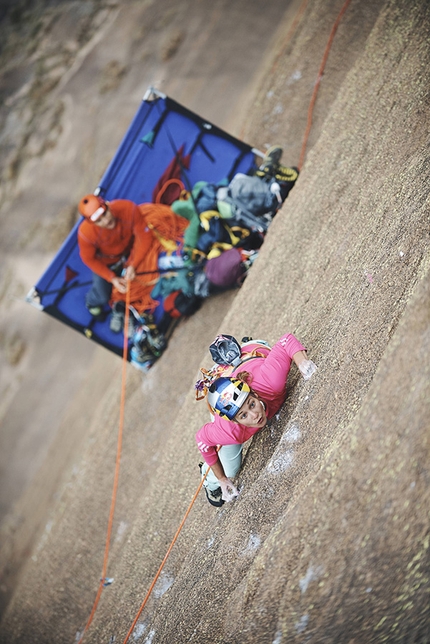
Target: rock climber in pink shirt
(241,405)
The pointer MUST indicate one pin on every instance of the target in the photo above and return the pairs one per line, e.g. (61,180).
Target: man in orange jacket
(121,242)
(113,240)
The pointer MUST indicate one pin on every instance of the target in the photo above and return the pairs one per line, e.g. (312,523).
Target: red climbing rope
(117,467)
(318,81)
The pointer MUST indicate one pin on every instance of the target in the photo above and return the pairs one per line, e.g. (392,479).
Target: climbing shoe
(273,155)
(95,311)
(271,160)
(116,324)
(214,497)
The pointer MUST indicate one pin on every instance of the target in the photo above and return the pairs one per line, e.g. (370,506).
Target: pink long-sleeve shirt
(269,381)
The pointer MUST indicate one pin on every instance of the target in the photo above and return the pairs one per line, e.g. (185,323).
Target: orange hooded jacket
(138,235)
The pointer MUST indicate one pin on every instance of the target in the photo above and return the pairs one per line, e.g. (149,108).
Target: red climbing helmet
(92,207)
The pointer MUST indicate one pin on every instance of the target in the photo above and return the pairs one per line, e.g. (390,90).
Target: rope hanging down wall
(117,468)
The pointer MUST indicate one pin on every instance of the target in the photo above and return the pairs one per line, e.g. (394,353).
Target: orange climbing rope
(154,581)
(317,84)
(115,486)
(117,467)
